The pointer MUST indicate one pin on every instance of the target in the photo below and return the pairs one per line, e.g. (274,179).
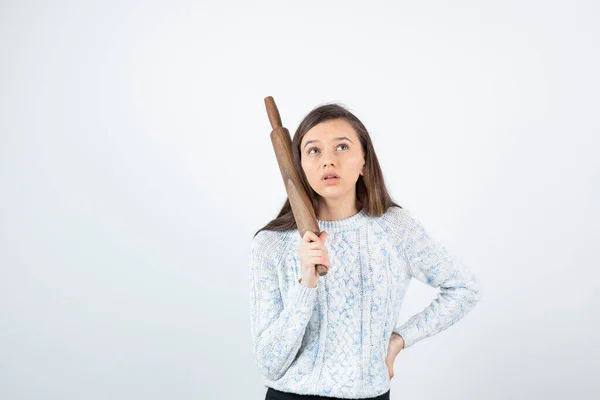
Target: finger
(310,236)
(323,236)
(321,260)
(314,249)
(319,253)
(315,246)
(316,252)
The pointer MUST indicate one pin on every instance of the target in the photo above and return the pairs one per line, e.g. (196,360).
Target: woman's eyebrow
(337,138)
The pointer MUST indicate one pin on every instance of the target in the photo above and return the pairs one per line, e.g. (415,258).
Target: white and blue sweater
(332,340)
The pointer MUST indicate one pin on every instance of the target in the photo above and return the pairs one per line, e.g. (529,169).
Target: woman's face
(332,147)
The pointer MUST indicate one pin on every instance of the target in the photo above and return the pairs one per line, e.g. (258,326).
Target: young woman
(336,336)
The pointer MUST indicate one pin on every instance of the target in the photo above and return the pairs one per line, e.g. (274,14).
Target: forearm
(277,343)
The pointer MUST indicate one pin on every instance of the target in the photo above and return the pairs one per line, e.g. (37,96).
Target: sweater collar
(343,224)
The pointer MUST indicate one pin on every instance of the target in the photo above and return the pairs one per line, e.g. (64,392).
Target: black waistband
(274,394)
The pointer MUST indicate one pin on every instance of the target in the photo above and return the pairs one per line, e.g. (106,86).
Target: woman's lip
(331,181)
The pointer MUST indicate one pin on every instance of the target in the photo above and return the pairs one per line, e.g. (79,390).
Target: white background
(136,165)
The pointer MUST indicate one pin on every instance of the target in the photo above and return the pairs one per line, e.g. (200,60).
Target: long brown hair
(371,192)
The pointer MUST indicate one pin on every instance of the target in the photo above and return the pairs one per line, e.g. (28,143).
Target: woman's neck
(329,212)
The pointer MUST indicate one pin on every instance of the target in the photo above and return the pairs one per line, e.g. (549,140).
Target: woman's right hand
(312,251)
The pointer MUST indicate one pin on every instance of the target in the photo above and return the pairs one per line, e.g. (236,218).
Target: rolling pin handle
(272,112)
(322,269)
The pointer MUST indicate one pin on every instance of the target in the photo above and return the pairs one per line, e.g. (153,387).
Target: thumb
(323,236)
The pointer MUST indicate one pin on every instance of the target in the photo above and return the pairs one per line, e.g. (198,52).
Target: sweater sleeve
(277,324)
(431,263)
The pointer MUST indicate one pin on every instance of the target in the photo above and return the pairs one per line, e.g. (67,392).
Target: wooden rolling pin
(302,208)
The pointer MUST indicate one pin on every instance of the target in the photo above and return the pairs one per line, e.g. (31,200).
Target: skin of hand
(395,346)
(312,251)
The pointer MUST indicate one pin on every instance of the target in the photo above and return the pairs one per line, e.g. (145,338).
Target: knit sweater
(332,340)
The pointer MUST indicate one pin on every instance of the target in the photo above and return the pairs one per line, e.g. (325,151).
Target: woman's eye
(314,148)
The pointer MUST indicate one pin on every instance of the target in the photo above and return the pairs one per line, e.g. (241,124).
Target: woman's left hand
(396,344)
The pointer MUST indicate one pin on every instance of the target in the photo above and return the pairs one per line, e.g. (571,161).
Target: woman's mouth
(331,181)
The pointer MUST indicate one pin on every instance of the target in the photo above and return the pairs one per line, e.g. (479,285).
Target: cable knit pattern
(332,340)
